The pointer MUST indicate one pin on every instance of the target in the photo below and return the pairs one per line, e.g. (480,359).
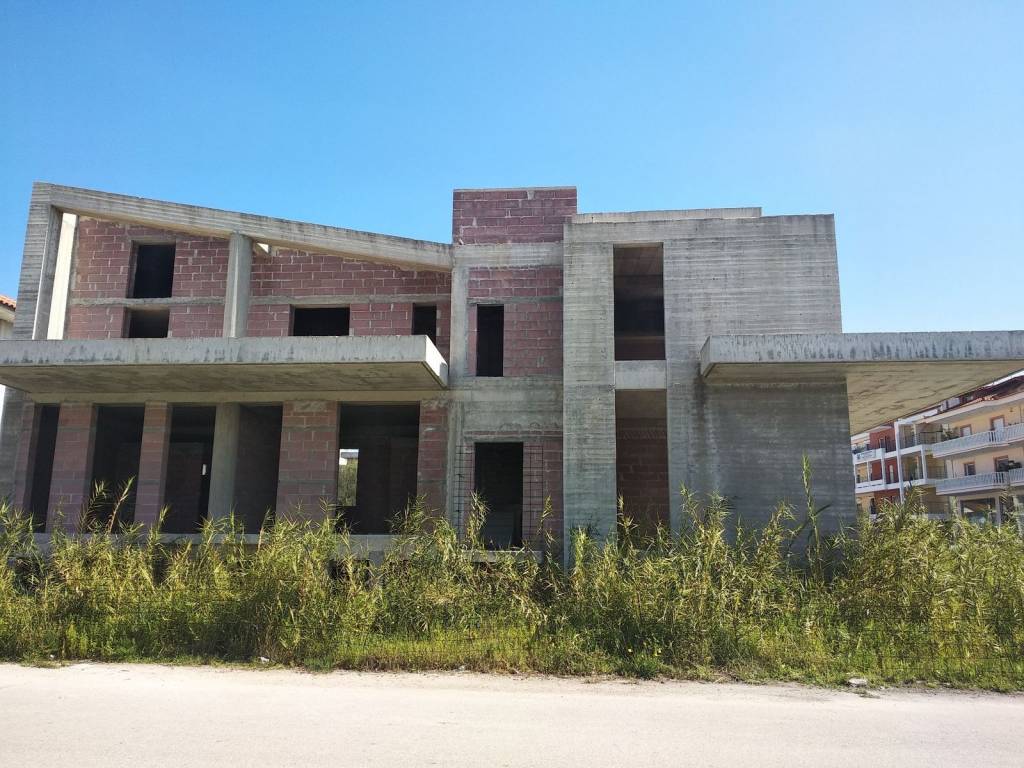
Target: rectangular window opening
(115,465)
(498,479)
(376,465)
(424,321)
(148,323)
(639,293)
(490,340)
(189,460)
(320,321)
(152,272)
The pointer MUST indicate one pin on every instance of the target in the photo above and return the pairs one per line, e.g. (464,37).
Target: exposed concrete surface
(131,715)
(293,363)
(416,254)
(888,375)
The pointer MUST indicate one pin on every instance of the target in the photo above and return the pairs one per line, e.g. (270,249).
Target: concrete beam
(414,254)
(640,374)
(888,375)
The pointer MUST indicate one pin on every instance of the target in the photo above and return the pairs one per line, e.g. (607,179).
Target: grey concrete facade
(755,373)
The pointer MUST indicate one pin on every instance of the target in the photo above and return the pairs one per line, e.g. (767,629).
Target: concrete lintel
(888,375)
(508,255)
(640,374)
(406,252)
(381,363)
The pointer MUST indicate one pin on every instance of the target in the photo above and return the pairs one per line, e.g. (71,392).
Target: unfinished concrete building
(233,362)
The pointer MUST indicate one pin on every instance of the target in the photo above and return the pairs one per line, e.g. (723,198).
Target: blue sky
(904,119)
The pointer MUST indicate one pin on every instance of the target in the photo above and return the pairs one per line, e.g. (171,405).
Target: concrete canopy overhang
(61,370)
(888,375)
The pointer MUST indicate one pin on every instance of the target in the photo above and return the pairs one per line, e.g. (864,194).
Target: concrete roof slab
(888,375)
(293,364)
(369,246)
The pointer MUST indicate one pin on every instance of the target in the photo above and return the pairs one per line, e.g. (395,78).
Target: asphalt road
(146,715)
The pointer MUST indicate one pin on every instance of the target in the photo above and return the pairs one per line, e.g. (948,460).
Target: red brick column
(432,454)
(156,434)
(72,465)
(308,470)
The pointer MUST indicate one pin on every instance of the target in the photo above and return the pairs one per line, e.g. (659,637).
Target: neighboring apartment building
(964,454)
(232,362)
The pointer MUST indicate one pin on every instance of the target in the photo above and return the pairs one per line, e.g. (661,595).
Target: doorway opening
(47,417)
(115,465)
(641,459)
(382,441)
(256,473)
(498,480)
(189,458)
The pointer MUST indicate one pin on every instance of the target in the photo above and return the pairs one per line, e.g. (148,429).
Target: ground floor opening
(641,460)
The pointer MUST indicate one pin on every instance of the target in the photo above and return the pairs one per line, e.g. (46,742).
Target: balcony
(136,368)
(994,438)
(990,481)
(860,455)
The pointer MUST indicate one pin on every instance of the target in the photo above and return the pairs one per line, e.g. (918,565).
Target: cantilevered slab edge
(888,375)
(294,364)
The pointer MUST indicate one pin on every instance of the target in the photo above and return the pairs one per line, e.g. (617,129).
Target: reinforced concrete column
(588,409)
(690,461)
(224,465)
(72,466)
(152,479)
(236,297)
(23,476)
(307,483)
(31,321)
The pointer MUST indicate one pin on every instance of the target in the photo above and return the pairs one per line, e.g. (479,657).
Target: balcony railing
(984,482)
(870,485)
(865,453)
(980,441)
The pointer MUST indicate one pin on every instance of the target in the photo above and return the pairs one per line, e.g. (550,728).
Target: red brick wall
(298,274)
(533,329)
(641,469)
(269,319)
(308,470)
(301,274)
(432,457)
(156,432)
(380,318)
(103,268)
(196,320)
(542,481)
(72,465)
(511,215)
(105,322)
